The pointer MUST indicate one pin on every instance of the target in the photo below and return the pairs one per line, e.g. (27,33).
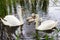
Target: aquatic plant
(3,8)
(10,6)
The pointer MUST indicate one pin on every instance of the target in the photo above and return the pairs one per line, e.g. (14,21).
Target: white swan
(47,25)
(11,20)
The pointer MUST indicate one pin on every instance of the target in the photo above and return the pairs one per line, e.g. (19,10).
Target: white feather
(46,25)
(11,20)
(5,22)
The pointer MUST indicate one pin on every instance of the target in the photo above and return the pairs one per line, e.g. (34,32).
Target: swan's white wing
(11,19)
(46,25)
(5,23)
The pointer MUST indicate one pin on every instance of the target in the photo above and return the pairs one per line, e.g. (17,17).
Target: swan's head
(33,15)
(11,20)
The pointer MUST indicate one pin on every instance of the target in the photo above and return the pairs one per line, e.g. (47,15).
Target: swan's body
(47,25)
(11,20)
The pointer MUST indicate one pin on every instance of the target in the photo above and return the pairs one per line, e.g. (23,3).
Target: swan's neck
(20,14)
(37,19)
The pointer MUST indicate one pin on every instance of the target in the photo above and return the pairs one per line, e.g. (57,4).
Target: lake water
(53,14)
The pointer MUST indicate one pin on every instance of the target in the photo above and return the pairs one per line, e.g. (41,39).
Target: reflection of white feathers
(47,25)
(18,32)
(11,20)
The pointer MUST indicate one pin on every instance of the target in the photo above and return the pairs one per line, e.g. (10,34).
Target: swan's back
(11,19)
(46,25)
